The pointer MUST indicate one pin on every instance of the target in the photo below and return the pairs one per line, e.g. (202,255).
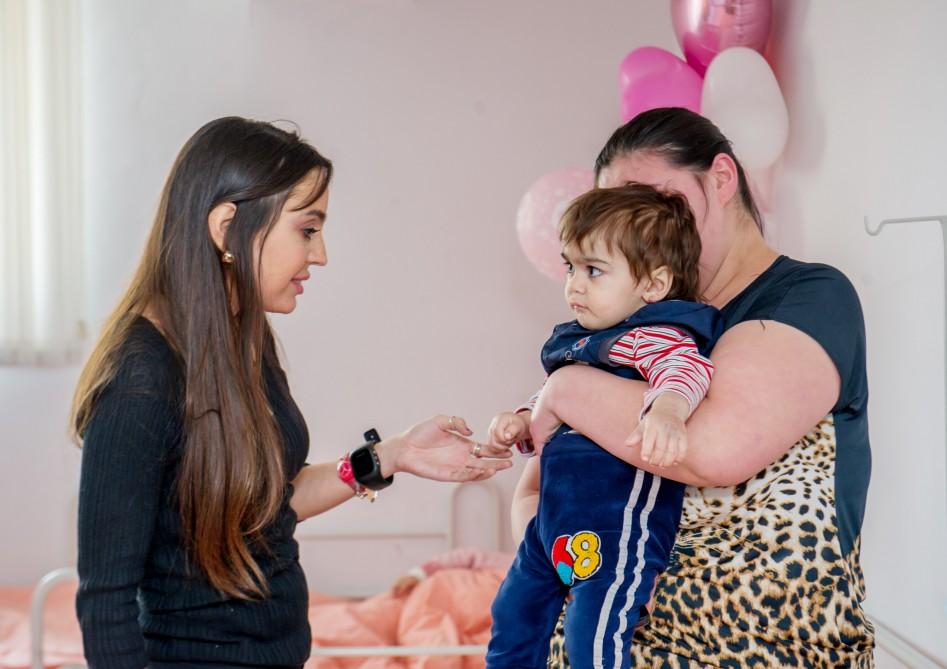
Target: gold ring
(476,450)
(450,424)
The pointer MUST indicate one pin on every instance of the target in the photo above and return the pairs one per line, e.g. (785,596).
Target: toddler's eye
(594,271)
(569,268)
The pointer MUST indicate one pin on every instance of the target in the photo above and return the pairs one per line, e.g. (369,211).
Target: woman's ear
(217,222)
(724,179)
(658,286)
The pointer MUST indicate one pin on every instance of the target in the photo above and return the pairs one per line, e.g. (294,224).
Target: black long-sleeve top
(140,600)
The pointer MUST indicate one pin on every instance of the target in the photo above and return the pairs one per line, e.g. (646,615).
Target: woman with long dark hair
(193,467)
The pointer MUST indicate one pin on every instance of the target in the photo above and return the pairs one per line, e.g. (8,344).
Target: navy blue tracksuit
(603,530)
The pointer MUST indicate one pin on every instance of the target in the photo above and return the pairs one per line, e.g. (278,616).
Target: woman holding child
(765,571)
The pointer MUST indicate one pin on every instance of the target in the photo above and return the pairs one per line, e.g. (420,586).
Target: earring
(227,258)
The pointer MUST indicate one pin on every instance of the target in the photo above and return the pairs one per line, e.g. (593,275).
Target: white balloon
(741,96)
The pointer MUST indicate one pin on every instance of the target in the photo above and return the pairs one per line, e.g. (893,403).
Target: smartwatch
(366,467)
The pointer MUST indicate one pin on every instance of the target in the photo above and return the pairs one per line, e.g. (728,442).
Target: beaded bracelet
(347,476)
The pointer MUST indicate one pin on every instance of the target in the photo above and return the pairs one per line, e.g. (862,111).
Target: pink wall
(867,98)
(438,116)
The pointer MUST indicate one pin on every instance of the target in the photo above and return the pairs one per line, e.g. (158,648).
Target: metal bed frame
(54,578)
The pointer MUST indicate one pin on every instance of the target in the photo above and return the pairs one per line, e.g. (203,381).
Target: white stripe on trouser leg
(639,567)
(605,614)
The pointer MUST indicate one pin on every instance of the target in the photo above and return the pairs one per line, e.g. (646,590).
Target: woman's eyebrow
(316,213)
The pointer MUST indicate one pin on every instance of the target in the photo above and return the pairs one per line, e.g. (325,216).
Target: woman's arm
(318,488)
(436,449)
(772,384)
(124,455)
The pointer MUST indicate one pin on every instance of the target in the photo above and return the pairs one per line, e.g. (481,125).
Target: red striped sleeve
(668,359)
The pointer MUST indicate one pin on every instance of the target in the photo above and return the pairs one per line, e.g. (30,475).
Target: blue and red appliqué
(576,556)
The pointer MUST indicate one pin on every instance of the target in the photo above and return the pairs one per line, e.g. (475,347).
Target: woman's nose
(317,254)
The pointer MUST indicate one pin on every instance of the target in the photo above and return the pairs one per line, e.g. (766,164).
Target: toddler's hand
(509,427)
(661,433)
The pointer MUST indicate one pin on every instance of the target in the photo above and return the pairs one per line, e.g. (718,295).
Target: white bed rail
(449,535)
(54,578)
(38,608)
(887,639)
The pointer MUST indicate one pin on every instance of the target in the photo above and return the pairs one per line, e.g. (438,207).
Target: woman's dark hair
(682,138)
(231,481)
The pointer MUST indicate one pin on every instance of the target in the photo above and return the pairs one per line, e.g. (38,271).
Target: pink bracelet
(347,476)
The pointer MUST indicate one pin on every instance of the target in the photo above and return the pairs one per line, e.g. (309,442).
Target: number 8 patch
(576,556)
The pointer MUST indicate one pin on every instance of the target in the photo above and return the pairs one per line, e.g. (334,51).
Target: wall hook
(874,231)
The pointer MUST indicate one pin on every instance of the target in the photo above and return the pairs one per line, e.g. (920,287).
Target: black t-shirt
(821,302)
(140,599)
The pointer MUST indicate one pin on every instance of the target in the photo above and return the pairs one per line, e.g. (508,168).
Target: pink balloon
(537,219)
(704,28)
(650,77)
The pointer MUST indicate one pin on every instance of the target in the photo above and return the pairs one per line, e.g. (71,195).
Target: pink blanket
(451,607)
(62,640)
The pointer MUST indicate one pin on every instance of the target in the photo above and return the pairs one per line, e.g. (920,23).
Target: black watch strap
(366,467)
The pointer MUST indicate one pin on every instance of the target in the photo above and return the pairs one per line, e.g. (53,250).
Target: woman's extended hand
(438,449)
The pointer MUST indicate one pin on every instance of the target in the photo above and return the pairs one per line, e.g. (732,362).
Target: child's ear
(659,285)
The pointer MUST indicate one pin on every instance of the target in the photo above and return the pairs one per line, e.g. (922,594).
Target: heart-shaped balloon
(704,28)
(537,219)
(650,77)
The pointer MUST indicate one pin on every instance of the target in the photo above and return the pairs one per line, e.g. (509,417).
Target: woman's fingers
(479,476)
(494,451)
(460,425)
(483,464)
(452,424)
(481,470)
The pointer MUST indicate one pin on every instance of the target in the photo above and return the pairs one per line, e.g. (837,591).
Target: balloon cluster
(723,76)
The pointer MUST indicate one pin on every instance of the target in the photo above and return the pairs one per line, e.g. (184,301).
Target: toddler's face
(600,288)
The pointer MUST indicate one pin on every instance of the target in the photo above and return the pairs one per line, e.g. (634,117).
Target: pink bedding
(62,640)
(451,607)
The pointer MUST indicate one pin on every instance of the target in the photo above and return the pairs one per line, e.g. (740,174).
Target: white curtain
(40,182)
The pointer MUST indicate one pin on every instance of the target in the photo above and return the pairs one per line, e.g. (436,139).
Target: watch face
(362,462)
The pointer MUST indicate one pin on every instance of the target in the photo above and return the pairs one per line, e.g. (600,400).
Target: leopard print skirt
(757,577)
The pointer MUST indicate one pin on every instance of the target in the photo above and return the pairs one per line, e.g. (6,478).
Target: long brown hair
(231,480)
